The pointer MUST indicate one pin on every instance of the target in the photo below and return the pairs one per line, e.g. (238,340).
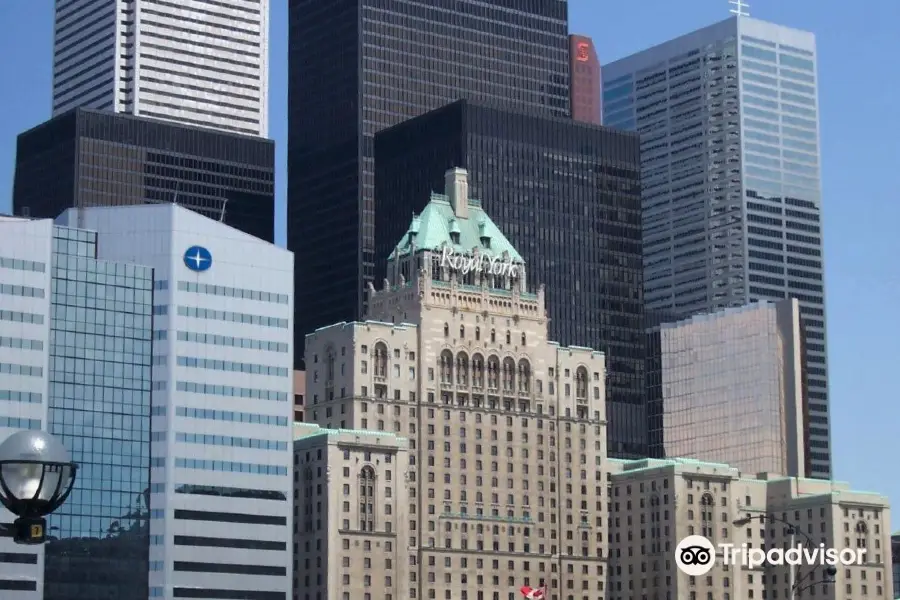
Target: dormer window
(485,241)
(454,237)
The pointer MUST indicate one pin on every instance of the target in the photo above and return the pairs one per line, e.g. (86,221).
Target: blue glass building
(99,407)
(731,194)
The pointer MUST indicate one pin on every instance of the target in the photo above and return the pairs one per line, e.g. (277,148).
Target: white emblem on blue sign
(197,258)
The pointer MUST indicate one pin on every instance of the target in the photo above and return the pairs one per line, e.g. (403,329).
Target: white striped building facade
(197,62)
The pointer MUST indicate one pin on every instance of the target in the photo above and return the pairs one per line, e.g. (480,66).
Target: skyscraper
(75,354)
(568,196)
(731,184)
(357,66)
(195,62)
(584,76)
(87,157)
(219,467)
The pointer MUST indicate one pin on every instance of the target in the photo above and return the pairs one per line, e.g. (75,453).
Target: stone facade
(656,503)
(505,434)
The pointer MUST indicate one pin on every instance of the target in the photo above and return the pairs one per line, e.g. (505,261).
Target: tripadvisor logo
(695,555)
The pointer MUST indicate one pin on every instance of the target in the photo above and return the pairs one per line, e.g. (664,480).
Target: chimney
(456,188)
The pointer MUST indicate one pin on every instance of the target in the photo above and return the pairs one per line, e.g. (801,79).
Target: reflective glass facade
(567,196)
(99,407)
(91,158)
(358,66)
(731,181)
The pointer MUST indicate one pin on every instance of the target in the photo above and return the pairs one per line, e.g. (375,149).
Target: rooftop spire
(741,8)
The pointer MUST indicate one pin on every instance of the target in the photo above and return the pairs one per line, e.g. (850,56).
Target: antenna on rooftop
(741,8)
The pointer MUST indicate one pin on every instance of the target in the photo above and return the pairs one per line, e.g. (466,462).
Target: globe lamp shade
(36,474)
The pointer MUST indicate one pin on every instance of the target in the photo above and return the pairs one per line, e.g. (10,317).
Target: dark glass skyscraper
(567,195)
(357,66)
(91,158)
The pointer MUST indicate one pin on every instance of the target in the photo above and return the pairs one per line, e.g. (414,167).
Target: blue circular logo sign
(197,258)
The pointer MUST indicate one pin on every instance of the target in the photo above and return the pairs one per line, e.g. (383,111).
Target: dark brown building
(584,73)
(86,157)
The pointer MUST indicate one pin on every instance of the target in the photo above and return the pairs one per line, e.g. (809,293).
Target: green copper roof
(433,227)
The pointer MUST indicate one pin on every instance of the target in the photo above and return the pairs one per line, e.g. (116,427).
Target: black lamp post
(803,582)
(36,477)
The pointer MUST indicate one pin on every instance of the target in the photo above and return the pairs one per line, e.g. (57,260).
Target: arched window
(523,339)
(509,374)
(462,369)
(493,336)
(367,499)
(524,375)
(508,337)
(493,373)
(477,371)
(446,330)
(862,535)
(581,383)
(462,332)
(477,333)
(381,359)
(446,367)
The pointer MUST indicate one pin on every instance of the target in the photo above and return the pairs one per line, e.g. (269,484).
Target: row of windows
(224,315)
(229,365)
(229,466)
(21,317)
(230,391)
(16,369)
(21,343)
(231,292)
(20,264)
(225,440)
(770,56)
(21,290)
(225,340)
(25,397)
(223,415)
(15,423)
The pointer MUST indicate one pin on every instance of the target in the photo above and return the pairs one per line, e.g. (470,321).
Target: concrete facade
(504,430)
(732,388)
(656,503)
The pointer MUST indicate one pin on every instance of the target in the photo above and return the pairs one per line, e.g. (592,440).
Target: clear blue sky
(860,127)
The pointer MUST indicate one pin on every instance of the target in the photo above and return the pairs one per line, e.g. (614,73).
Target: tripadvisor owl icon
(695,555)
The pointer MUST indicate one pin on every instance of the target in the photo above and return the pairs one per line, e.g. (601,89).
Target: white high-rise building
(194,61)
(222,371)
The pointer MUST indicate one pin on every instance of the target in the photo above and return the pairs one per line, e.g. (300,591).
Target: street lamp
(36,477)
(804,582)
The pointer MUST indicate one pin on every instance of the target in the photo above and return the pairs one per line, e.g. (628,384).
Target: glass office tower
(75,354)
(99,407)
(87,157)
(358,66)
(567,195)
(728,117)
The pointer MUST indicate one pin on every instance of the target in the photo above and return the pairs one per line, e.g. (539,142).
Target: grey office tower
(728,117)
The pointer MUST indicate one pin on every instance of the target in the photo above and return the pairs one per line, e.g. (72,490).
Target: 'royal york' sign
(480,264)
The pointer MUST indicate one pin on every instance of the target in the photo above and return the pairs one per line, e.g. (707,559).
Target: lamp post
(36,477)
(803,582)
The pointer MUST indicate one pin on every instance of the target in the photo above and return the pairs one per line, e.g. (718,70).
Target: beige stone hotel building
(453,452)
(472,464)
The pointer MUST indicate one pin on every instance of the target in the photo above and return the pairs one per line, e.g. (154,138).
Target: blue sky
(860,127)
